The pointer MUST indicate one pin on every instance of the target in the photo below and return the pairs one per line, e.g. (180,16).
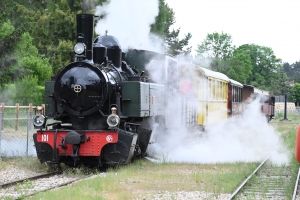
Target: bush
(28,91)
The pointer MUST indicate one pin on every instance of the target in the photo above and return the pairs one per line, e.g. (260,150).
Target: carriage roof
(213,74)
(236,83)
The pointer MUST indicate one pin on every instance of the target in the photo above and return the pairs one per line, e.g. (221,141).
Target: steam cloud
(129,21)
(249,139)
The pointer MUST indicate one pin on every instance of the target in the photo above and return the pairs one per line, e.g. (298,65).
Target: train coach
(267,100)
(209,97)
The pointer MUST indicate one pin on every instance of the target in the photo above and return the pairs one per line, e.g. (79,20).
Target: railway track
(267,182)
(35,184)
(296,193)
(270,182)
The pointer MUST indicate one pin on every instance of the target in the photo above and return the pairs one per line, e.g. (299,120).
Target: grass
(29,163)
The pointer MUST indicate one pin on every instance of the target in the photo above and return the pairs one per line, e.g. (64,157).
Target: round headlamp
(79,48)
(113,120)
(39,120)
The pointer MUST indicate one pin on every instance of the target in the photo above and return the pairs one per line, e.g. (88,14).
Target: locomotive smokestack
(85,33)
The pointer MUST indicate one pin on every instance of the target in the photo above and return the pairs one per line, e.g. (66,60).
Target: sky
(270,23)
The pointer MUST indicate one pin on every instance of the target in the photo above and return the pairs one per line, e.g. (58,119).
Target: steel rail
(296,185)
(6,185)
(50,188)
(233,195)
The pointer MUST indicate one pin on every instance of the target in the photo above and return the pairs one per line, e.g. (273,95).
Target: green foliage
(282,85)
(31,62)
(164,19)
(265,66)
(238,66)
(24,47)
(216,45)
(61,55)
(38,67)
(6,28)
(28,91)
(296,92)
(292,71)
(175,46)
(161,27)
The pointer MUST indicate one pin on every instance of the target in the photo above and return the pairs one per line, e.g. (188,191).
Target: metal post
(28,128)
(285,108)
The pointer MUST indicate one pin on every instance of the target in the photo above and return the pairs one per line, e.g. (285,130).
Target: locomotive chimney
(85,34)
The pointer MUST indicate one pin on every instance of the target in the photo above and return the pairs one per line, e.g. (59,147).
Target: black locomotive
(99,110)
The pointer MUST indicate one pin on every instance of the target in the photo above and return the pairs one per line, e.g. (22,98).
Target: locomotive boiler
(98,109)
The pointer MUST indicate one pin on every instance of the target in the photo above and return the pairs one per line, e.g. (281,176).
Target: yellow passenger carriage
(204,95)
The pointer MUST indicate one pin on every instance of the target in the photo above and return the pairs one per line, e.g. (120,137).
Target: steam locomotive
(99,109)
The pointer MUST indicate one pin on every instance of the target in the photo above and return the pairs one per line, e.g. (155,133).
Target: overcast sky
(270,23)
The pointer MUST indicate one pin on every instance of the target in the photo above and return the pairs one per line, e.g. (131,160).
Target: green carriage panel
(135,99)
(141,99)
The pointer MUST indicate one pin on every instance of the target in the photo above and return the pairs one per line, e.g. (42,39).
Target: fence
(16,130)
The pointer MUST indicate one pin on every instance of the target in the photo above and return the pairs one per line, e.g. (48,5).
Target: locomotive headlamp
(113,120)
(79,48)
(39,121)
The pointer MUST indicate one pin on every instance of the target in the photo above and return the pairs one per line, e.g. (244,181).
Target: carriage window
(240,95)
(233,93)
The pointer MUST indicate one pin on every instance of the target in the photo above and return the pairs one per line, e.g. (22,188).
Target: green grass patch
(29,163)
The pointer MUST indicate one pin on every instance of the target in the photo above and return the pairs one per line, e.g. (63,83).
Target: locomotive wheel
(297,146)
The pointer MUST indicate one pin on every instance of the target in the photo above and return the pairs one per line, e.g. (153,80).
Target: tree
(296,92)
(288,69)
(52,24)
(175,46)
(281,85)
(216,45)
(162,27)
(6,29)
(238,66)
(28,91)
(265,65)
(30,61)
(292,71)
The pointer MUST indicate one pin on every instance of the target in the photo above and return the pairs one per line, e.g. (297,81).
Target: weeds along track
(32,185)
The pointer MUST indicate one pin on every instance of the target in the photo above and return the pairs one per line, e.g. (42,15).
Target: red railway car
(268,101)
(235,102)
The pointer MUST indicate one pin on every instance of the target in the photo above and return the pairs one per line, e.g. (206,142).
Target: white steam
(129,21)
(247,139)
